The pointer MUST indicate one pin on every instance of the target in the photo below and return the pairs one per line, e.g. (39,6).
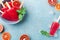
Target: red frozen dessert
(4,9)
(54,27)
(10,10)
(16,3)
(10,15)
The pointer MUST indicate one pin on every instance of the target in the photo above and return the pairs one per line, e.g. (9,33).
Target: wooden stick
(1,12)
(21,4)
(58,19)
(3,5)
(8,5)
(11,0)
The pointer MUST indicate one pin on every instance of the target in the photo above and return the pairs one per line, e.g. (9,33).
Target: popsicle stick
(58,19)
(1,12)
(3,5)
(11,0)
(8,5)
(21,4)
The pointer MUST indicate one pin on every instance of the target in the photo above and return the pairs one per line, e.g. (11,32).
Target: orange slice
(57,6)
(1,27)
(24,37)
(6,36)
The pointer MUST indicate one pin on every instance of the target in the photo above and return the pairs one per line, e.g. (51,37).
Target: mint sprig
(45,33)
(21,13)
(20,17)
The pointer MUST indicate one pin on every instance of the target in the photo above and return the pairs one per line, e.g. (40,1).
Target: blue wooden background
(38,17)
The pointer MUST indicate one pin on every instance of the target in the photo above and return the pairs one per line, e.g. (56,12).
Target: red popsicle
(10,3)
(4,8)
(10,14)
(54,27)
(17,5)
(14,4)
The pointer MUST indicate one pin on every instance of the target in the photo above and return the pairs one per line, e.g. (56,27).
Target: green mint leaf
(22,11)
(44,33)
(19,12)
(20,16)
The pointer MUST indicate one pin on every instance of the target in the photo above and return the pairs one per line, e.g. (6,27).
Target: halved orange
(52,2)
(57,6)
(6,36)
(24,37)
(1,27)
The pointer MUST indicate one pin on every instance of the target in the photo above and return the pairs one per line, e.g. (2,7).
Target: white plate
(10,22)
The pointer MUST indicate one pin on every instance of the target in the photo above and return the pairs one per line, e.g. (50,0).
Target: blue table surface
(38,17)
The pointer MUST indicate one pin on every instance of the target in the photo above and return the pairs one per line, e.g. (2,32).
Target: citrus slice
(52,2)
(24,37)
(16,3)
(57,6)
(1,27)
(6,36)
